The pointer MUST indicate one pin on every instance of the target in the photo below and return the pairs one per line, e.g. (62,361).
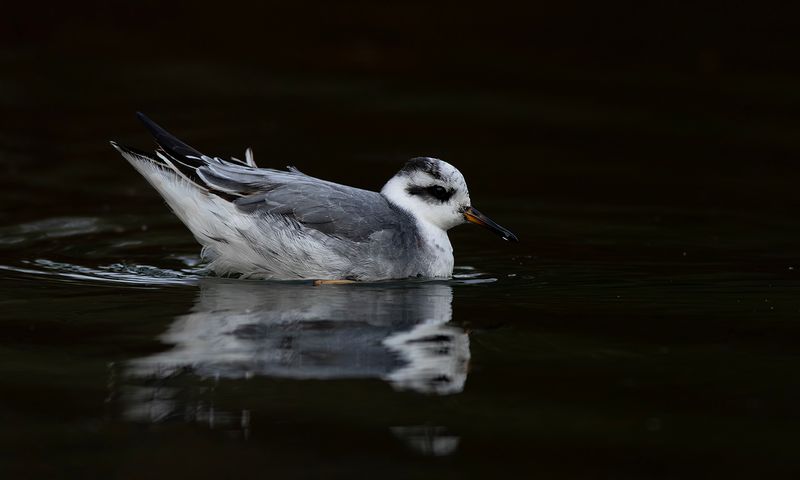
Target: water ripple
(152,276)
(98,243)
(141,275)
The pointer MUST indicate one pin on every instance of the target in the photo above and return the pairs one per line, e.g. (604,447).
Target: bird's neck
(394,191)
(437,248)
(434,240)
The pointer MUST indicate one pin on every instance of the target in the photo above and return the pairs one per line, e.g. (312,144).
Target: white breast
(438,248)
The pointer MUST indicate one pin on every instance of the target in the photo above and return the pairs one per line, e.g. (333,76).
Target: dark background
(626,103)
(644,152)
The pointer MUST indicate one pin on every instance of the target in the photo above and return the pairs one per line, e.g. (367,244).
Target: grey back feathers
(325,206)
(266,223)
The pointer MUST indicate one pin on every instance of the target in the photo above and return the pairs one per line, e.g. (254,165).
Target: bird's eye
(439,192)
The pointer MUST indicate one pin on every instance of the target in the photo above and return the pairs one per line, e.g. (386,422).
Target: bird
(268,224)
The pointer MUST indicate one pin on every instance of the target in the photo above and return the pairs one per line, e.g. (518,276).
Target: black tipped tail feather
(167,141)
(178,158)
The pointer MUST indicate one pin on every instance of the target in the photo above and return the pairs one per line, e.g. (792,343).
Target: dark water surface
(645,326)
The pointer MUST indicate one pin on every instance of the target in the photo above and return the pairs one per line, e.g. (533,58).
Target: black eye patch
(439,193)
(434,191)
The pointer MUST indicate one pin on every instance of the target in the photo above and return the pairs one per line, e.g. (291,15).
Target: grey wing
(330,208)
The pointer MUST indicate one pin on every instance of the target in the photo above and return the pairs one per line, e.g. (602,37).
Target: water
(645,325)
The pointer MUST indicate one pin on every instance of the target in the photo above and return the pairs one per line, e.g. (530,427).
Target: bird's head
(435,192)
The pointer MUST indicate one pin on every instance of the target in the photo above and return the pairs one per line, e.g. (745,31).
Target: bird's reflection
(239,330)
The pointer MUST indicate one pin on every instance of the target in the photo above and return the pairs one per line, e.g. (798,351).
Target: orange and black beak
(474,216)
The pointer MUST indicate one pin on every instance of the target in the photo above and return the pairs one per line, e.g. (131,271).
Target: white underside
(436,240)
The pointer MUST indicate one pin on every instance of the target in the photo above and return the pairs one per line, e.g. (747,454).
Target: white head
(435,192)
(430,189)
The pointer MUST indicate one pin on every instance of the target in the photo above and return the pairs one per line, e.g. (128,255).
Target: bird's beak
(474,216)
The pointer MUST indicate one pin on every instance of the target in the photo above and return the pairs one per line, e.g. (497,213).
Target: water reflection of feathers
(239,330)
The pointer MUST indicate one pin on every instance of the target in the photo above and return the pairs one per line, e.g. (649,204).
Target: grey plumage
(358,223)
(330,208)
(289,226)
(272,224)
